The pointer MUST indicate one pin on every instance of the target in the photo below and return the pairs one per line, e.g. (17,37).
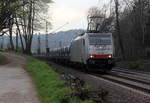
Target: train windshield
(100,39)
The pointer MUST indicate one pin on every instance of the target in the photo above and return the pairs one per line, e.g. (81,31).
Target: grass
(3,60)
(142,65)
(51,89)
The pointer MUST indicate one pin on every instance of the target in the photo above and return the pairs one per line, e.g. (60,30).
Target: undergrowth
(51,89)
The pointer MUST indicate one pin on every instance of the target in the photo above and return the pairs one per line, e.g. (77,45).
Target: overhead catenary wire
(59,28)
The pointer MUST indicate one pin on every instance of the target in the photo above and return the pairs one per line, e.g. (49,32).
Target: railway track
(133,72)
(127,79)
(132,77)
(134,80)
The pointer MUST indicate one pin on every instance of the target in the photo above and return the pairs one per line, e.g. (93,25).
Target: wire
(59,27)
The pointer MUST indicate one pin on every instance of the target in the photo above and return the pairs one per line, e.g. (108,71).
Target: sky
(71,13)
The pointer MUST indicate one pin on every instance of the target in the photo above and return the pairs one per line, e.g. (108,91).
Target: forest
(22,18)
(128,20)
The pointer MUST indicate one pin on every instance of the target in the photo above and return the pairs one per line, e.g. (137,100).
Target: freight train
(92,51)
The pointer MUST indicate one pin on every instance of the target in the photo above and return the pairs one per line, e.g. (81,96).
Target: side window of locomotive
(84,42)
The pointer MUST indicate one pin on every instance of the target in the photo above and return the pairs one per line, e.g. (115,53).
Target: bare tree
(98,21)
(25,22)
(118,29)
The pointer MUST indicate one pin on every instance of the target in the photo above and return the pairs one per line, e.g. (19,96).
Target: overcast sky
(72,11)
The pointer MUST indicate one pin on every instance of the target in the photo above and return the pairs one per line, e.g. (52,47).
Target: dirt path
(15,84)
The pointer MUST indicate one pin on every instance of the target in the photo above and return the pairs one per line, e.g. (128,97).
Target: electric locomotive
(94,51)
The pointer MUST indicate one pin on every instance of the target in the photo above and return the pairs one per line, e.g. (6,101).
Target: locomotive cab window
(100,40)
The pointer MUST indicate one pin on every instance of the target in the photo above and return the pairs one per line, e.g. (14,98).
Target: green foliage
(134,65)
(51,89)
(142,65)
(42,6)
(87,86)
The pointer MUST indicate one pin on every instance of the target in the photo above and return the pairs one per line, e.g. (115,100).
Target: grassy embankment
(51,89)
(142,65)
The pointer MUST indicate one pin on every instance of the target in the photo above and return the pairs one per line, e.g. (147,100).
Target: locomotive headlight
(91,56)
(110,56)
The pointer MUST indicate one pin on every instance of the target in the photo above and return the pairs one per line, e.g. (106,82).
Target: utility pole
(118,29)
(46,38)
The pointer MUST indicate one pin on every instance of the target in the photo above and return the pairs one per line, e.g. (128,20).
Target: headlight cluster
(100,56)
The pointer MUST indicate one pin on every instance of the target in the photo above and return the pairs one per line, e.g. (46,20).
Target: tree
(27,19)
(7,12)
(129,21)
(118,29)
(7,8)
(98,21)
(22,15)
(134,29)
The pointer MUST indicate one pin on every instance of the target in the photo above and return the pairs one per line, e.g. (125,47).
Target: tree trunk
(118,30)
(19,32)
(10,35)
